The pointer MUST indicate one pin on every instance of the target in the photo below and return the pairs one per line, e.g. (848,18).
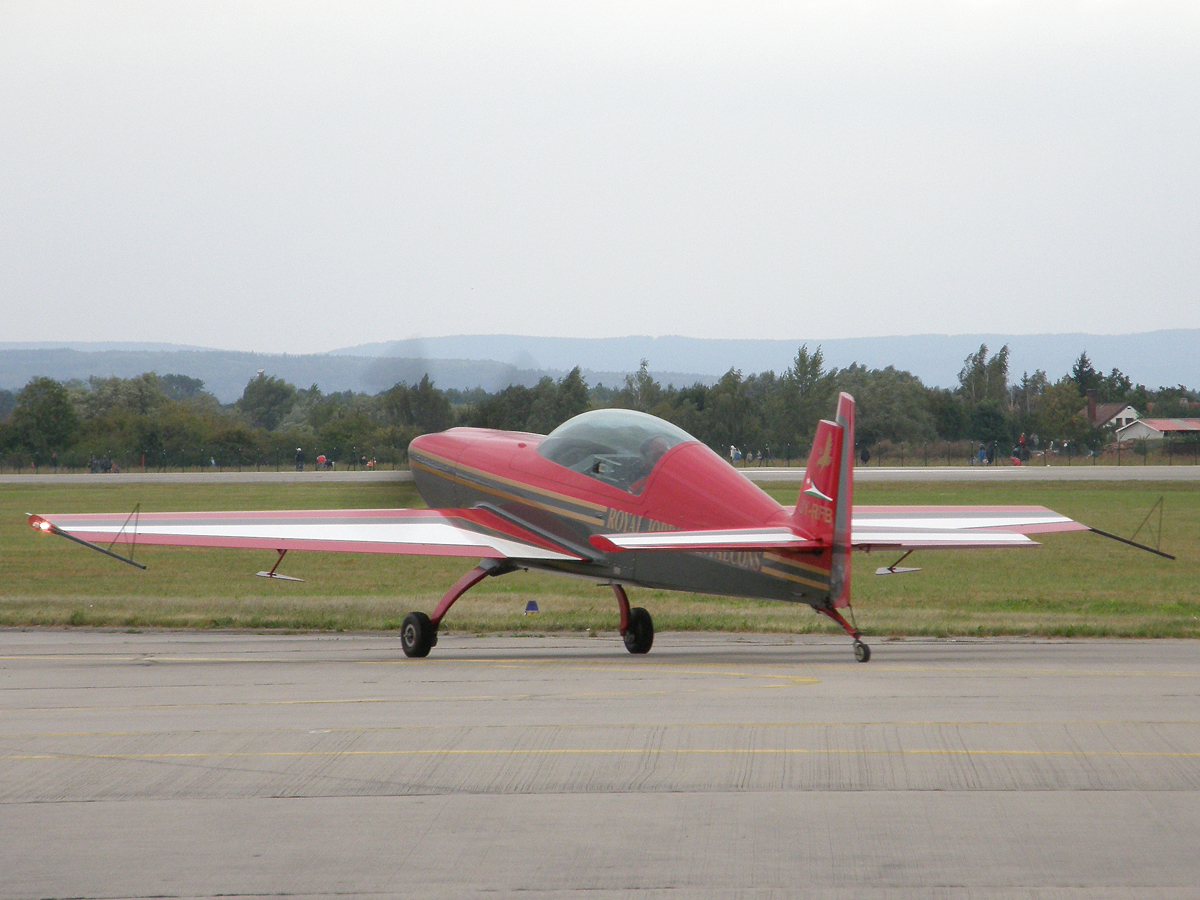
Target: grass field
(1076,584)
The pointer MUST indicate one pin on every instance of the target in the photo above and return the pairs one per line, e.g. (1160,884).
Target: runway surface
(206,764)
(757,474)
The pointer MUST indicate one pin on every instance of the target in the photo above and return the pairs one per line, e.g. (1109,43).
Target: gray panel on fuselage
(730,573)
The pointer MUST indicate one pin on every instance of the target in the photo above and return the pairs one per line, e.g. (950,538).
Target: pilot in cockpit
(652,450)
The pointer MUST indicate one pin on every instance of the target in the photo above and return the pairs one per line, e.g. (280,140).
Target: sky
(298,177)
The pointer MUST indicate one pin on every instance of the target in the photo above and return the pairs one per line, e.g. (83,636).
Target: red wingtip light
(39,523)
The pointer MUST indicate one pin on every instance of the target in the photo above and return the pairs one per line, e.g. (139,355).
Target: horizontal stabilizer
(708,540)
(937,540)
(954,527)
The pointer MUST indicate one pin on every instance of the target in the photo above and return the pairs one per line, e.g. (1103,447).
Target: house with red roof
(1158,429)
(1108,415)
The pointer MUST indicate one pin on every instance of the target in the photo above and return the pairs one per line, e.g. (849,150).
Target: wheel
(861,651)
(639,636)
(417,634)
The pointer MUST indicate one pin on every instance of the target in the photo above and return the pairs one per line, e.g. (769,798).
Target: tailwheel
(861,651)
(417,634)
(639,634)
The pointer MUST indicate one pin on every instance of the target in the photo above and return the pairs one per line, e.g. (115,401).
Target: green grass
(1075,585)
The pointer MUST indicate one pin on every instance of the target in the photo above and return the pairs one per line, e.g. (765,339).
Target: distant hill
(225,373)
(94,346)
(1153,358)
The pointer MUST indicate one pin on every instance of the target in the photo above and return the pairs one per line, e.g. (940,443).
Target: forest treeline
(171,421)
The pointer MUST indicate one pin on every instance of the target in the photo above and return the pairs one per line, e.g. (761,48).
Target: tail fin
(817,505)
(827,495)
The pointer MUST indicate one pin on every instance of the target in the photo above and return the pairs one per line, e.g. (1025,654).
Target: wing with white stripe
(441,532)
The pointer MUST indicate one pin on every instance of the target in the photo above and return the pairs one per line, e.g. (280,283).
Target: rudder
(823,509)
(839,576)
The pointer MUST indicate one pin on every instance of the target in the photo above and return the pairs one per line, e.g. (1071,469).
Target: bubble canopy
(617,446)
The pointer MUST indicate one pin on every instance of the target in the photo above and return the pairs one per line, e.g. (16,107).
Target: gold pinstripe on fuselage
(519,491)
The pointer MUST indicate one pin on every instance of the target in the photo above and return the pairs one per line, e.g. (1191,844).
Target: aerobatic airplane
(616,496)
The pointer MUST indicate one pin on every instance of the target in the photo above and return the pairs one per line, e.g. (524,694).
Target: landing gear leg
(862,652)
(419,632)
(637,628)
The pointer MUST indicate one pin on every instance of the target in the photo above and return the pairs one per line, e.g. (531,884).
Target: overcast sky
(298,177)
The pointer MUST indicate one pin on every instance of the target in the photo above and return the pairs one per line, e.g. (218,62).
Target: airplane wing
(441,532)
(953,527)
(883,527)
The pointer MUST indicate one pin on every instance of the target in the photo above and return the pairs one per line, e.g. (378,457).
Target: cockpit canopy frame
(620,447)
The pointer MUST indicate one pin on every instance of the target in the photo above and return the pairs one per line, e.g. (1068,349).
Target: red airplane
(616,496)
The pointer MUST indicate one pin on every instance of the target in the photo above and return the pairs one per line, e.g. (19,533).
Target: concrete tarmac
(727,766)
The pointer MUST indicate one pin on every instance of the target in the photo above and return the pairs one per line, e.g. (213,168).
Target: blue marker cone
(531,608)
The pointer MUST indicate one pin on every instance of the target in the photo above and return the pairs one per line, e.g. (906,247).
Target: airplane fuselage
(690,487)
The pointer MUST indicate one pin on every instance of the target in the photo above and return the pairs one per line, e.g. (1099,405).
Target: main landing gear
(637,628)
(419,632)
(862,652)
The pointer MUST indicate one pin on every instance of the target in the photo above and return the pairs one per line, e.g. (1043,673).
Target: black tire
(417,635)
(639,636)
(862,652)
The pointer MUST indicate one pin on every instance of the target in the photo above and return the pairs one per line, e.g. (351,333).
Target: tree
(180,387)
(235,445)
(1058,417)
(8,400)
(396,406)
(105,396)
(1086,378)
(266,400)
(1116,387)
(893,405)
(732,416)
(543,408)
(1027,394)
(44,420)
(982,378)
(507,409)
(950,416)
(430,409)
(988,423)
(804,394)
(572,395)
(641,391)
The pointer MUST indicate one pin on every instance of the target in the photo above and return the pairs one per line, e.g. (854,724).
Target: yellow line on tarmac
(476,698)
(575,726)
(632,667)
(624,665)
